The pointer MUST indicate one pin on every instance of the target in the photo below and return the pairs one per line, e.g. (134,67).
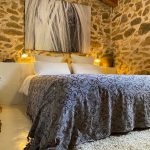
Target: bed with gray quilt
(68,110)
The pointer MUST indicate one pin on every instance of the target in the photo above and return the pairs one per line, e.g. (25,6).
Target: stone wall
(12,25)
(131,36)
(125,30)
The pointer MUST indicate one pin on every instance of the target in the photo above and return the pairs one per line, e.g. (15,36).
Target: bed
(67,110)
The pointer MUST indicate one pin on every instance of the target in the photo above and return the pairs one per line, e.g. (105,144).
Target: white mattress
(25,85)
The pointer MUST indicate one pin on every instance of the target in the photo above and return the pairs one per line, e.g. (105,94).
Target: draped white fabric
(57,26)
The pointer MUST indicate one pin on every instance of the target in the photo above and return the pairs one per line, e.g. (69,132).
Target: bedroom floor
(15,127)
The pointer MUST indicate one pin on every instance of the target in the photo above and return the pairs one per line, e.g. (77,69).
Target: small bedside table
(108,70)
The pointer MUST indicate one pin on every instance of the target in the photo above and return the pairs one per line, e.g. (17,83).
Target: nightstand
(108,70)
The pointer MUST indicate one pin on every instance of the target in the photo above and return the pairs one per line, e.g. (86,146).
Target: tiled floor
(15,127)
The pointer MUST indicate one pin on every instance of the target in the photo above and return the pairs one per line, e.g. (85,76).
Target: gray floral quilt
(67,110)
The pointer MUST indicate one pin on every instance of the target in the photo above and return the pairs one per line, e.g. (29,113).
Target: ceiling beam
(112,3)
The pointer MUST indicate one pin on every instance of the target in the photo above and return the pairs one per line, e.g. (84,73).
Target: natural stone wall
(126,32)
(131,36)
(12,25)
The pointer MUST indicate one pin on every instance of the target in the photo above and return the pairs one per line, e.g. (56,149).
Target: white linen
(25,86)
(79,68)
(44,68)
(47,68)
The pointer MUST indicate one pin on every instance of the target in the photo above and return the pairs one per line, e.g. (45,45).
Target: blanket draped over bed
(68,110)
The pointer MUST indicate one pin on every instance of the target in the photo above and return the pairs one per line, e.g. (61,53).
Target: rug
(135,140)
(0,120)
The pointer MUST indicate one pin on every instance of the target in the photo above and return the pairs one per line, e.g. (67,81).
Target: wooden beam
(112,3)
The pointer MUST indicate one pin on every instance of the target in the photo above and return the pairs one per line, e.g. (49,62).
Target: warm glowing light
(24,55)
(21,140)
(97,62)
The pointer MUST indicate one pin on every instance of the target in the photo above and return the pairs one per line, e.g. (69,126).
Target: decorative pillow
(52,59)
(47,68)
(82,59)
(79,68)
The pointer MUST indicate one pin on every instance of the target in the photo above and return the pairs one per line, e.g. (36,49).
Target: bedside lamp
(97,61)
(25,57)
(97,51)
(97,58)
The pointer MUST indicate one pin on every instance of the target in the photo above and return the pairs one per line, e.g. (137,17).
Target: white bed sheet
(25,85)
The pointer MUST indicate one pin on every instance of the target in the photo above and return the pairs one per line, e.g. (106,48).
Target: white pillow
(47,68)
(53,59)
(82,59)
(85,69)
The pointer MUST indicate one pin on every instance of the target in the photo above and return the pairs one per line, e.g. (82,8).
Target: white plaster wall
(12,76)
